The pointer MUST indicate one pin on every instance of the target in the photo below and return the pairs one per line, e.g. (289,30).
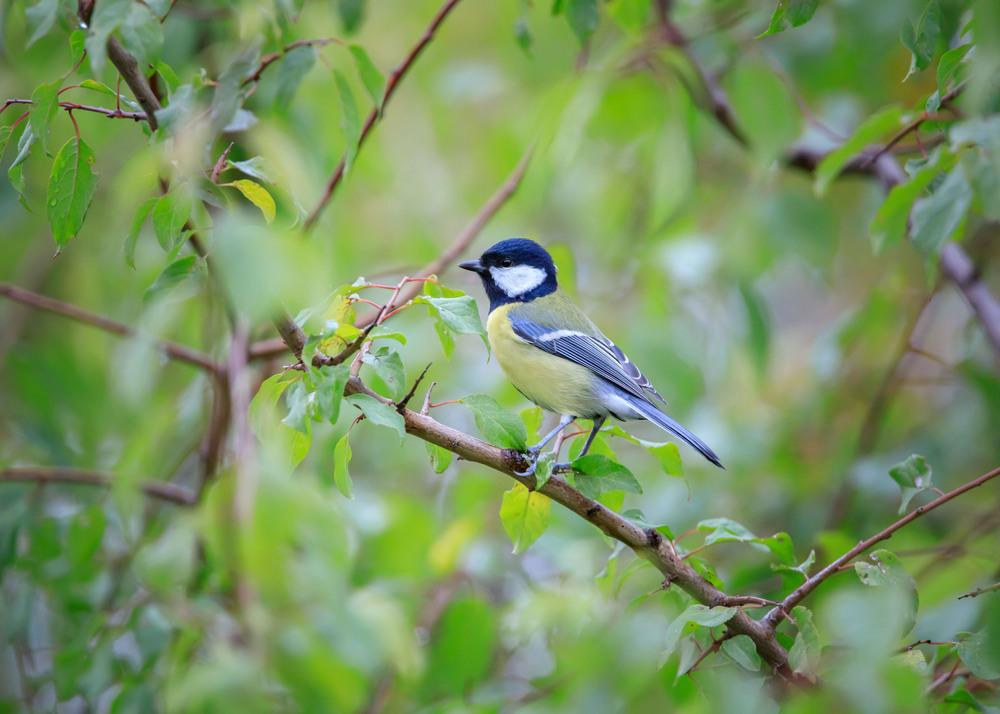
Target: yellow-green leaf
(525,515)
(257,195)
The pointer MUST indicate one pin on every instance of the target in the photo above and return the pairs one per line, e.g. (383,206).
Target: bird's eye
(506,263)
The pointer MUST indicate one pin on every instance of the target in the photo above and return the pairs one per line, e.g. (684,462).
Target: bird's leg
(532,452)
(566,465)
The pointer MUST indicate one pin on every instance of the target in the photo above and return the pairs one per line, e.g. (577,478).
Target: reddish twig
(267,60)
(163,490)
(376,113)
(41,302)
(220,165)
(797,595)
(70,106)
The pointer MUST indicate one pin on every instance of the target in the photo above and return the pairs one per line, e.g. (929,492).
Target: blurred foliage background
(749,290)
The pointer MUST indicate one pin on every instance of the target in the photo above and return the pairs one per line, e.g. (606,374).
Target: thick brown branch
(129,70)
(39,474)
(41,302)
(797,595)
(653,549)
(377,111)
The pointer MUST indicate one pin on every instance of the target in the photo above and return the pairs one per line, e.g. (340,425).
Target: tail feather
(663,421)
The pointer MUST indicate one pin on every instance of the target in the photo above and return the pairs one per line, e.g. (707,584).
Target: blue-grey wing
(595,352)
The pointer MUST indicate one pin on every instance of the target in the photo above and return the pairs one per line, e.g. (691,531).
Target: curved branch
(646,544)
(41,302)
(797,595)
(163,490)
(377,111)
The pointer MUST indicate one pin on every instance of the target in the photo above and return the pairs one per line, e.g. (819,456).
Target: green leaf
(107,16)
(40,18)
(913,476)
(790,13)
(45,104)
(188,272)
(170,214)
(669,457)
(14,171)
(886,571)
(598,474)
(378,412)
(350,120)
(978,652)
(373,80)
(389,367)
(805,651)
(351,13)
(342,457)
(330,382)
(874,127)
(294,66)
(5,132)
(257,195)
(525,515)
(71,189)
(583,18)
(105,89)
(532,418)
(142,34)
(921,39)
(459,314)
(439,457)
(178,110)
(497,425)
(802,568)
(742,651)
(258,167)
(691,619)
(724,530)
(948,64)
(265,402)
(543,468)
(299,407)
(940,216)
(135,227)
(890,223)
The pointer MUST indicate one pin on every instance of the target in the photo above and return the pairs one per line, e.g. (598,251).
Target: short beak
(474,265)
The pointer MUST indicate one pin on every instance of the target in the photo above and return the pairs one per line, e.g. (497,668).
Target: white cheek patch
(518,280)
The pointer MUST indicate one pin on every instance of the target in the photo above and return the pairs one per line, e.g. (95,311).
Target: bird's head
(515,270)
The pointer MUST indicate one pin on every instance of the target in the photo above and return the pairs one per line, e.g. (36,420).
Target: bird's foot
(562,467)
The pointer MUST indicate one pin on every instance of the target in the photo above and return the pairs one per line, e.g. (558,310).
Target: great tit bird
(554,355)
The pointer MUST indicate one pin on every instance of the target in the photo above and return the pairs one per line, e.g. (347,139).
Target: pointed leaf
(71,189)
(937,218)
(743,652)
(599,474)
(805,651)
(497,425)
(525,516)
(294,66)
(258,167)
(257,195)
(439,457)
(691,619)
(40,18)
(913,476)
(389,367)
(170,214)
(188,272)
(790,13)
(135,227)
(342,457)
(45,104)
(370,76)
(378,412)
(350,120)
(330,382)
(874,127)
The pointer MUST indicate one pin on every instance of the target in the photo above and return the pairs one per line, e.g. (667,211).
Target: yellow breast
(551,382)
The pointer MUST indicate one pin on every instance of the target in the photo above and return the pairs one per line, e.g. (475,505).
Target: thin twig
(267,60)
(979,591)
(378,111)
(162,490)
(41,302)
(220,165)
(409,395)
(797,595)
(71,106)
